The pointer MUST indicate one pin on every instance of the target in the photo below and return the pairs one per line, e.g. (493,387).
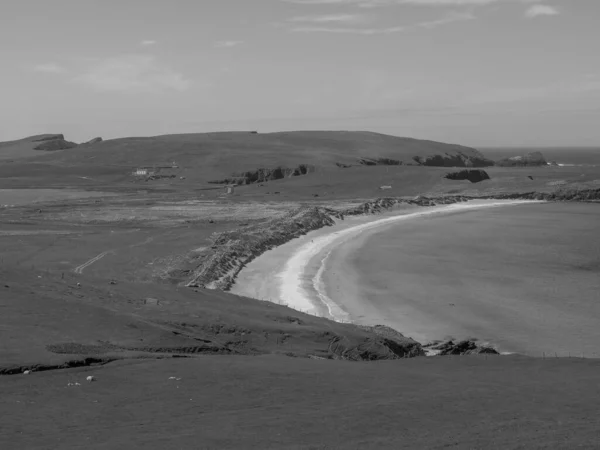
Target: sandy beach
(294,274)
(513,274)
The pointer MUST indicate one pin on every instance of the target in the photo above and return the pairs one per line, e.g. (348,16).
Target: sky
(473,72)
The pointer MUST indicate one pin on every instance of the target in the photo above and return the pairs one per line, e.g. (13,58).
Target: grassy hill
(75,317)
(25,148)
(232,151)
(218,155)
(202,158)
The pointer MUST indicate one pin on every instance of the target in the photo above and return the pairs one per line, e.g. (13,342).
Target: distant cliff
(54,142)
(527,160)
(458,159)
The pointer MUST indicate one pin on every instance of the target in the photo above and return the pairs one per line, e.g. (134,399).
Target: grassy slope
(227,152)
(287,403)
(204,157)
(41,309)
(21,148)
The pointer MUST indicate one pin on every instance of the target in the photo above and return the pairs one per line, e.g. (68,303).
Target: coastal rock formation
(54,142)
(459,159)
(375,348)
(473,175)
(379,162)
(262,175)
(562,194)
(235,249)
(93,141)
(466,347)
(530,159)
(50,137)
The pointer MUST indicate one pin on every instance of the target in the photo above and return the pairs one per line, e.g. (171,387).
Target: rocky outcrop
(532,159)
(562,194)
(466,347)
(454,160)
(234,249)
(84,362)
(50,137)
(375,348)
(53,143)
(473,175)
(379,162)
(263,175)
(93,141)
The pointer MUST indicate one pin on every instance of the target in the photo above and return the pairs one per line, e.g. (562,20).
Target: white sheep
(90,378)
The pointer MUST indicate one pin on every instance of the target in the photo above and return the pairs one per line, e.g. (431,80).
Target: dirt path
(79,269)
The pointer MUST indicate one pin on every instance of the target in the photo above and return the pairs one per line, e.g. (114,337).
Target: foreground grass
(274,402)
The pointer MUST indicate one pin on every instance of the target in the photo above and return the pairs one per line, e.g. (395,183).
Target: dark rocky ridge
(466,347)
(572,195)
(532,159)
(459,159)
(93,141)
(379,162)
(474,176)
(262,175)
(53,143)
(51,137)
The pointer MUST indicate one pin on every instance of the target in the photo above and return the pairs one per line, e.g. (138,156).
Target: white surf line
(290,278)
(79,269)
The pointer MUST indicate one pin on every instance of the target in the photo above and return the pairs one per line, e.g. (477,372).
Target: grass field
(224,402)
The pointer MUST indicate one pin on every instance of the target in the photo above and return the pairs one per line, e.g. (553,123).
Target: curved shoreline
(287,274)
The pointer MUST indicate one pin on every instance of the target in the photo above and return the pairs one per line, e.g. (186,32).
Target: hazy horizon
(481,73)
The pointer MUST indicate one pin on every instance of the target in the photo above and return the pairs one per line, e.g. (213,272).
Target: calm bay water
(564,155)
(524,278)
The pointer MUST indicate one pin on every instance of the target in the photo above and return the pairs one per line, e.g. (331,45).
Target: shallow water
(567,156)
(524,278)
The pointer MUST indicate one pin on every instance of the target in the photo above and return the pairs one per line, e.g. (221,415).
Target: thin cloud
(376,3)
(148,42)
(228,44)
(332,18)
(541,10)
(131,73)
(49,68)
(456,17)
